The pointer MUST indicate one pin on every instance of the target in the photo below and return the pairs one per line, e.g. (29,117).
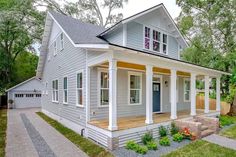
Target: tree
(210,27)
(90,11)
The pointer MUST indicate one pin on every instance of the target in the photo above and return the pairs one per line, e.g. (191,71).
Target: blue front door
(156,97)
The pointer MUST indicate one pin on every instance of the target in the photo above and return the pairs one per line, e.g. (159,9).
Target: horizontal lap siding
(135,35)
(66,63)
(116,36)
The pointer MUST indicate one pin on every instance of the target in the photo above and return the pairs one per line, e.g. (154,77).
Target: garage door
(27,100)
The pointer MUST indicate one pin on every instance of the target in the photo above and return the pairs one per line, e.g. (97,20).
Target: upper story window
(55,90)
(61,41)
(155,40)
(55,48)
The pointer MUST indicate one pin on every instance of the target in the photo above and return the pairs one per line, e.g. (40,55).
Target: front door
(156,97)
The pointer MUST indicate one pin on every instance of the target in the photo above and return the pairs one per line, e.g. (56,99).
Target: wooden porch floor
(139,121)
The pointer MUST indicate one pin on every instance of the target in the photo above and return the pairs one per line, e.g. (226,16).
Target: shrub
(162,131)
(187,134)
(141,149)
(147,137)
(131,145)
(178,137)
(164,141)
(225,120)
(174,129)
(152,145)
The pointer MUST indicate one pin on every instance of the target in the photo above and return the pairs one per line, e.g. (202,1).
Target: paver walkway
(222,141)
(30,136)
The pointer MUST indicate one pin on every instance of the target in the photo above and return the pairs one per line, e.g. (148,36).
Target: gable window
(55,90)
(29,95)
(19,95)
(156,40)
(135,88)
(79,89)
(55,48)
(104,88)
(65,90)
(186,90)
(164,40)
(38,95)
(147,38)
(62,41)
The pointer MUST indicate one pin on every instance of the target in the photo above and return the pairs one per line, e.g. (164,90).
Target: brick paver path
(30,136)
(222,141)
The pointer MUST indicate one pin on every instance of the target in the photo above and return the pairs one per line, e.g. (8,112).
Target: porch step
(206,132)
(204,127)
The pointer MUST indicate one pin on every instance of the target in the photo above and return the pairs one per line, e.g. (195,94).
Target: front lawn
(3,127)
(89,147)
(227,120)
(202,148)
(229,132)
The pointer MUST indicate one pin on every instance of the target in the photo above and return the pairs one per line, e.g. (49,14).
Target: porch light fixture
(166,83)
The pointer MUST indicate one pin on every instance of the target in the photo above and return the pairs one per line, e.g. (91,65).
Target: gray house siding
(65,64)
(135,35)
(116,36)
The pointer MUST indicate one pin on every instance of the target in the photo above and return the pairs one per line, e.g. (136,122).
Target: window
(186,90)
(19,95)
(79,89)
(164,47)
(65,90)
(135,88)
(55,47)
(55,90)
(62,41)
(29,95)
(38,95)
(156,40)
(147,38)
(104,88)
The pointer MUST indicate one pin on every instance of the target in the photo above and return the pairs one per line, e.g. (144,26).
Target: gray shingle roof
(78,31)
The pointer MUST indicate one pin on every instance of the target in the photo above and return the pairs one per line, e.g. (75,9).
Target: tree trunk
(232,111)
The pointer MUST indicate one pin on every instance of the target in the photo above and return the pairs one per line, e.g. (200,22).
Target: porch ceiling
(142,68)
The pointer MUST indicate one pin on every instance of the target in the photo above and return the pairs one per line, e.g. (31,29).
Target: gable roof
(78,31)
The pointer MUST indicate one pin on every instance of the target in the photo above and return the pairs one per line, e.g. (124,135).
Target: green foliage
(147,137)
(131,145)
(232,93)
(226,120)
(165,141)
(152,145)
(178,137)
(174,129)
(141,149)
(162,131)
(3,128)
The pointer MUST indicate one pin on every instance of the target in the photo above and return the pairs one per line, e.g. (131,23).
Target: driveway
(30,136)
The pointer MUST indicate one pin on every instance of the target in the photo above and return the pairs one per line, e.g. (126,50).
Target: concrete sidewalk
(30,136)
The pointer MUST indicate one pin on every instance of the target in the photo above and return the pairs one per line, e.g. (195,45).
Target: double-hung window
(61,41)
(104,88)
(65,90)
(135,88)
(156,40)
(164,46)
(79,89)
(186,90)
(55,47)
(147,38)
(55,90)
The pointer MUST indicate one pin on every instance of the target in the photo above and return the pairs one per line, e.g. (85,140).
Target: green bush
(152,145)
(225,120)
(131,145)
(147,137)
(174,129)
(178,137)
(141,149)
(165,141)
(162,131)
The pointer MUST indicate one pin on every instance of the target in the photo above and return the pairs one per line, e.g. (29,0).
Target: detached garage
(26,94)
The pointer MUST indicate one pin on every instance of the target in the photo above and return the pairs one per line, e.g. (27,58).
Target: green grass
(3,127)
(89,147)
(230,132)
(227,120)
(202,148)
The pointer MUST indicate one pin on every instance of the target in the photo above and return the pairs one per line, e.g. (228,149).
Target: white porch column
(173,94)
(149,94)
(193,94)
(218,94)
(206,94)
(112,95)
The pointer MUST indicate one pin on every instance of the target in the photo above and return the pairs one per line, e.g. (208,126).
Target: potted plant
(10,103)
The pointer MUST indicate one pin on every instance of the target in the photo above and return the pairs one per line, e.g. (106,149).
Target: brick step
(204,127)
(206,132)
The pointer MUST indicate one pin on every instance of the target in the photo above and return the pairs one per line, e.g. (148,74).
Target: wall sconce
(166,83)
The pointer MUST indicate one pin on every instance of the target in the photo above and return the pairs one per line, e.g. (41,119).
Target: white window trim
(187,79)
(55,101)
(55,48)
(77,103)
(99,70)
(141,88)
(64,90)
(61,41)
(151,40)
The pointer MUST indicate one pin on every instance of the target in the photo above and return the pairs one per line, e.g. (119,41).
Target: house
(113,85)
(26,94)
